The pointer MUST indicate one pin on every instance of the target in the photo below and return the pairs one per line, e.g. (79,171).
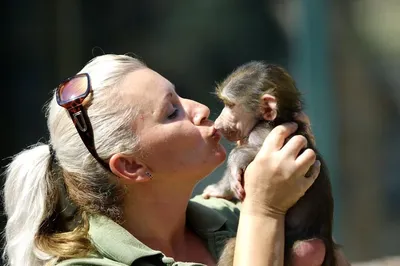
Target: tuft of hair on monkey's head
(249,82)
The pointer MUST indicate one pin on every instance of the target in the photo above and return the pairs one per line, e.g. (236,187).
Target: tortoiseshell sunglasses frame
(79,116)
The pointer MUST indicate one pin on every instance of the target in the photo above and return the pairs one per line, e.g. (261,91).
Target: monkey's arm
(238,161)
(231,184)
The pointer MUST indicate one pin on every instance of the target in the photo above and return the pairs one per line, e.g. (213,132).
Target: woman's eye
(174,114)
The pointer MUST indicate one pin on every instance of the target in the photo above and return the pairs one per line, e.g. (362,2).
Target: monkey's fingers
(216,192)
(238,188)
(239,191)
(240,176)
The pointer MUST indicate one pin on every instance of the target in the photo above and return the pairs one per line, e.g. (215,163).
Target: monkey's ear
(268,107)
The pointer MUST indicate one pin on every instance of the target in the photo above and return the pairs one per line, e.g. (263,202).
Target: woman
(113,185)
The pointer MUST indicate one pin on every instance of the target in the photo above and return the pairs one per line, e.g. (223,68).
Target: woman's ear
(128,168)
(269,107)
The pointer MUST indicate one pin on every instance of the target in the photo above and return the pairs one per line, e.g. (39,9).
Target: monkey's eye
(174,114)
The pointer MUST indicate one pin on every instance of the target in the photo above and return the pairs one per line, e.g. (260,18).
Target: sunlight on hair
(30,186)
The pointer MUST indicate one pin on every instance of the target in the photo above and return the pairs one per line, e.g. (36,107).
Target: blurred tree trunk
(361,119)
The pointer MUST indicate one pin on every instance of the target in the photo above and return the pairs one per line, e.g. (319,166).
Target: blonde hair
(47,202)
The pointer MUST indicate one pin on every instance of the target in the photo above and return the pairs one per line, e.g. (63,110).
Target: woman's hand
(276,180)
(302,117)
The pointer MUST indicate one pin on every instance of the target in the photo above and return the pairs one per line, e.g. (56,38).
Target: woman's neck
(156,216)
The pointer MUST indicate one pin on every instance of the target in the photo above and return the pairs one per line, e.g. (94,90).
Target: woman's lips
(216,134)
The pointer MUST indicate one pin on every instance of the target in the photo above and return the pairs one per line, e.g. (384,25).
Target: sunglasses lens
(74,88)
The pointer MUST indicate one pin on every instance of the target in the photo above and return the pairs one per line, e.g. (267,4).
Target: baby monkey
(257,98)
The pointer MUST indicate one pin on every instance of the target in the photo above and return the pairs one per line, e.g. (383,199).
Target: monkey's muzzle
(230,134)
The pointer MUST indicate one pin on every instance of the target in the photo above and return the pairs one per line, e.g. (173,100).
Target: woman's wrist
(260,236)
(255,207)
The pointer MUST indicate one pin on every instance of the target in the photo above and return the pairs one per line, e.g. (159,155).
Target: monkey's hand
(237,184)
(219,190)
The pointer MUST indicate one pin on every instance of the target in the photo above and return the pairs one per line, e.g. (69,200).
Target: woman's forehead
(147,91)
(146,81)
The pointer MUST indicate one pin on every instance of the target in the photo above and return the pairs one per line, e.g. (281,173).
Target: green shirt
(214,220)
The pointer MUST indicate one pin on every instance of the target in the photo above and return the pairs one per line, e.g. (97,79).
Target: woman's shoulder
(214,211)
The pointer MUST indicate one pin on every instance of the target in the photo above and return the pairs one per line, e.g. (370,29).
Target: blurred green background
(344,55)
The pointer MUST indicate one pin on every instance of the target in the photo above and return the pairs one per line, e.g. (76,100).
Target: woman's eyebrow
(165,103)
(173,88)
(168,95)
(171,92)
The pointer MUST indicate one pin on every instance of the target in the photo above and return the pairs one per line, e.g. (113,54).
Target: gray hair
(31,193)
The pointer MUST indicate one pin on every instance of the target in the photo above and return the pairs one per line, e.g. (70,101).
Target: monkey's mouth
(231,135)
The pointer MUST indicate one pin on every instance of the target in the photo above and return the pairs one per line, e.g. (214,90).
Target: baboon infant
(257,98)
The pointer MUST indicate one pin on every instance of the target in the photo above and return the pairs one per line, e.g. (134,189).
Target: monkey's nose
(217,124)
(217,127)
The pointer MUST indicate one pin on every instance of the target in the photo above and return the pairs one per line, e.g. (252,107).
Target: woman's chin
(211,162)
(220,153)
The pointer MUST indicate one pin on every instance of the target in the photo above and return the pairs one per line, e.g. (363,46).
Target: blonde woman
(113,184)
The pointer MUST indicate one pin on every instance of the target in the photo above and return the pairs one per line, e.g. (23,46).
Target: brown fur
(312,215)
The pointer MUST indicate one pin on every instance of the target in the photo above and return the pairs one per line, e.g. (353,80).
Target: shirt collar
(113,241)
(204,219)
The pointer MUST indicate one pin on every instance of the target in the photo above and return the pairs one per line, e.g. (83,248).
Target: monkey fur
(257,98)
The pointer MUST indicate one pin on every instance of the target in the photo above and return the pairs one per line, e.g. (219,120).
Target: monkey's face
(235,123)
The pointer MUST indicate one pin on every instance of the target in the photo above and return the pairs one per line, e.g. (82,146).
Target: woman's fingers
(275,140)
(314,172)
(295,145)
(303,183)
(276,177)
(305,160)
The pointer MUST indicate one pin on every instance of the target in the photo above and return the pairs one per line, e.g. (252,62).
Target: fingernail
(317,163)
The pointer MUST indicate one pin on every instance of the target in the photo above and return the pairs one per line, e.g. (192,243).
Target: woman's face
(176,138)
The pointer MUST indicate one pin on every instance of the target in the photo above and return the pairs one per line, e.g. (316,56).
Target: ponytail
(43,224)
(39,230)
(26,191)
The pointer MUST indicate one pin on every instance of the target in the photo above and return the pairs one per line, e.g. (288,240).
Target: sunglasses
(70,94)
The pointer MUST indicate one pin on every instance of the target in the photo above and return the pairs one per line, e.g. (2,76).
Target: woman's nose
(197,112)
